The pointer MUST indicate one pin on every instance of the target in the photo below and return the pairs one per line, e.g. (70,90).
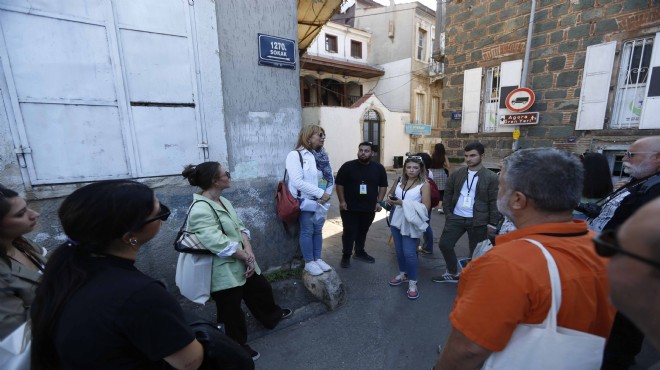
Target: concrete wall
(393,88)
(376,20)
(487,33)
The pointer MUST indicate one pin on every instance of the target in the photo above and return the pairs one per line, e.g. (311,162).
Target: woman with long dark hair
(94,309)
(597,180)
(21,262)
(235,275)
(440,168)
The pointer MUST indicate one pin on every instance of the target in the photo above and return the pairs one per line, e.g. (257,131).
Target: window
(631,83)
(435,105)
(421,44)
(491,99)
(419,108)
(356,49)
(331,43)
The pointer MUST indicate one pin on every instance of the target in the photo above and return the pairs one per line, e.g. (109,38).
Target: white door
(101,89)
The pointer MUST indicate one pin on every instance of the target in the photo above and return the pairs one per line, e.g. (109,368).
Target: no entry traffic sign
(519,100)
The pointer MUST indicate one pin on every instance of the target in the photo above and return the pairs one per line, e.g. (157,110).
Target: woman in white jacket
(411,197)
(308,183)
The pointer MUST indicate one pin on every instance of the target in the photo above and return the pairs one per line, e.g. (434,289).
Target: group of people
(89,307)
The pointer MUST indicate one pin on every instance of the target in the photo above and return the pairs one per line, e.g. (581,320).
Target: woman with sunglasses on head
(21,262)
(235,275)
(94,309)
(411,197)
(310,179)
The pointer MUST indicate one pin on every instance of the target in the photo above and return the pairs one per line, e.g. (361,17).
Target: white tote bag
(193,276)
(15,349)
(547,346)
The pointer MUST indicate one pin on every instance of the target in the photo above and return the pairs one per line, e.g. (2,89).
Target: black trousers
(356,227)
(258,296)
(624,343)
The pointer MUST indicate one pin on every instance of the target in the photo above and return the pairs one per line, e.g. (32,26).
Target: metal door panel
(166,139)
(161,16)
(74,142)
(87,9)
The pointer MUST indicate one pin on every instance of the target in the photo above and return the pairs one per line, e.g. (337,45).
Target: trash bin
(398,161)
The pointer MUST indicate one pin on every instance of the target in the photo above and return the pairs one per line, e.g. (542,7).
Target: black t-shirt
(352,174)
(120,319)
(634,201)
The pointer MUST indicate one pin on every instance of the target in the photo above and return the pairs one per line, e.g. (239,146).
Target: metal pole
(523,78)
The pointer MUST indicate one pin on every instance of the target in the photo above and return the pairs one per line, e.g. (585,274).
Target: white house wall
(344,36)
(393,88)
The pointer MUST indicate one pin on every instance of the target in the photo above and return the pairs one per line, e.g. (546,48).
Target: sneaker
(446,278)
(324,266)
(313,268)
(286,312)
(364,257)
(346,261)
(399,279)
(424,251)
(412,290)
(254,354)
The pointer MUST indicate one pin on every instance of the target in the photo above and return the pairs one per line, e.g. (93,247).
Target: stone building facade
(590,69)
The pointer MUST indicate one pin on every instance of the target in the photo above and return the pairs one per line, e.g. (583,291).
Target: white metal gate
(101,89)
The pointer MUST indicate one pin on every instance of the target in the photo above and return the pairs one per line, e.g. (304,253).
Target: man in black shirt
(361,185)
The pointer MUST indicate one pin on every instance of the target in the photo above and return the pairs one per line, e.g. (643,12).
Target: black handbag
(186,241)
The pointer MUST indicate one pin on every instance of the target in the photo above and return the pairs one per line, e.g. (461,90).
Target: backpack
(435,193)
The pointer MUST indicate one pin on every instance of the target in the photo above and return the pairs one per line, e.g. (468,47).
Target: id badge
(467,202)
(363,189)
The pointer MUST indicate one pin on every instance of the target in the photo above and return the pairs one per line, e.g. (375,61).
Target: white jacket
(410,218)
(305,179)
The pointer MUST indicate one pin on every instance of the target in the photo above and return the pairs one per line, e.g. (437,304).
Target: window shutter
(471,100)
(651,106)
(510,75)
(595,86)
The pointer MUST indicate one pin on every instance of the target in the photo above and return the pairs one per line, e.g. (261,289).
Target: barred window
(631,82)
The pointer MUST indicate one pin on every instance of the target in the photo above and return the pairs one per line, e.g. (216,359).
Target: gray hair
(552,178)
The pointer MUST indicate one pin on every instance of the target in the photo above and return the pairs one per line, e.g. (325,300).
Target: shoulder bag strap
(301,166)
(555,284)
(184,227)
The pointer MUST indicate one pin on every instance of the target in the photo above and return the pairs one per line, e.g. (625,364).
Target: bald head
(645,157)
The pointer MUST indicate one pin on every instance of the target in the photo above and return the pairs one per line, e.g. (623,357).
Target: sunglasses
(607,245)
(633,154)
(415,158)
(163,215)
(228,175)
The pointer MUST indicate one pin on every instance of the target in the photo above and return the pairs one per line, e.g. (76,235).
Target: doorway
(371,132)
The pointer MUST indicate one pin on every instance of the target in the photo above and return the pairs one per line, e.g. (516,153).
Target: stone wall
(487,33)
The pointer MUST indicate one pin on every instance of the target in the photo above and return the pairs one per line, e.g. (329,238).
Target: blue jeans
(311,238)
(406,253)
(428,235)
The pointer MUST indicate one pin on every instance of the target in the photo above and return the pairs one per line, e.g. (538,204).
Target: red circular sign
(519,100)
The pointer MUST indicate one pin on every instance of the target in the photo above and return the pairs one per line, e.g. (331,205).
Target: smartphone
(392,197)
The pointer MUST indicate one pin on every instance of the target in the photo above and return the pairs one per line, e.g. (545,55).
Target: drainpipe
(523,78)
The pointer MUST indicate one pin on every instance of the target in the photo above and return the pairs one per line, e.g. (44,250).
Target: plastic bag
(321,213)
(193,276)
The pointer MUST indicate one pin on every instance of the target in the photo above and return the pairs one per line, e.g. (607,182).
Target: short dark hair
(5,195)
(367,143)
(479,147)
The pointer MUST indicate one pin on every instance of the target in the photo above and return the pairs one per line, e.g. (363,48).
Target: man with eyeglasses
(642,163)
(361,185)
(634,268)
(510,285)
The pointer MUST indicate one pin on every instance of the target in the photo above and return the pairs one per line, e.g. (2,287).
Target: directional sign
(519,100)
(417,129)
(529,118)
(277,52)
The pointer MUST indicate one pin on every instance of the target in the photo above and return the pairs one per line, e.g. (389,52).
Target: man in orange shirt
(510,284)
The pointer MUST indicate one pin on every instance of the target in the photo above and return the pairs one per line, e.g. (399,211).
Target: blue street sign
(418,129)
(277,52)
(457,115)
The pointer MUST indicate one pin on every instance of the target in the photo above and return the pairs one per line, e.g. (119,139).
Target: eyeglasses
(632,154)
(228,175)
(321,135)
(163,215)
(607,245)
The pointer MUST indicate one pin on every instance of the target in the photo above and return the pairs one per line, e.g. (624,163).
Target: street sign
(457,115)
(519,100)
(529,118)
(417,129)
(277,52)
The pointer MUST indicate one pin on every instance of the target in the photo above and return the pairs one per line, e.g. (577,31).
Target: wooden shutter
(595,86)
(651,106)
(471,100)
(510,75)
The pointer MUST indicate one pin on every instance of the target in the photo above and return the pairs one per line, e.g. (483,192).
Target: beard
(503,206)
(638,170)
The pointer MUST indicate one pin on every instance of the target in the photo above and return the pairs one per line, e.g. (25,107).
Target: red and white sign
(519,100)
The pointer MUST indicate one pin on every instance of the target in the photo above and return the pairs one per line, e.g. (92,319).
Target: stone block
(461,17)
(538,106)
(556,37)
(460,58)
(539,40)
(546,26)
(542,82)
(538,66)
(635,4)
(589,15)
(537,131)
(576,93)
(579,60)
(476,55)
(568,20)
(561,132)
(557,63)
(613,9)
(567,47)
(566,105)
(327,287)
(567,79)
(469,25)
(549,118)
(508,13)
(561,9)
(579,31)
(496,5)
(582,4)
(593,40)
(543,52)
(456,80)
(517,22)
(496,28)
(606,26)
(479,10)
(555,94)
(488,19)
(545,3)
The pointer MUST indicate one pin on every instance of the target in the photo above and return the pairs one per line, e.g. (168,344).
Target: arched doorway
(371,132)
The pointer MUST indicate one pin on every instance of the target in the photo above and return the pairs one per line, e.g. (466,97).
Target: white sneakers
(317,267)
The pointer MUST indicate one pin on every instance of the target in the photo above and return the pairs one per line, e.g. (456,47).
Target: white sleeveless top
(414,193)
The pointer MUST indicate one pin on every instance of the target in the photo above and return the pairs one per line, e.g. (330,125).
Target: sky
(430,3)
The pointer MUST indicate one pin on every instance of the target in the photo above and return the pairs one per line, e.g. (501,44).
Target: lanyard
(470,183)
(404,191)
